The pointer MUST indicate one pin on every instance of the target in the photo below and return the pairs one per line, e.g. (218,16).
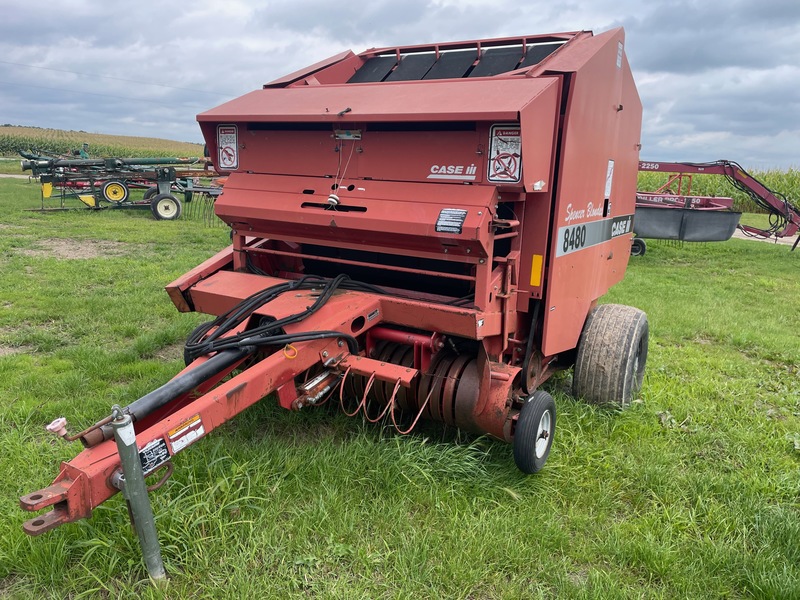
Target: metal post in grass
(131,483)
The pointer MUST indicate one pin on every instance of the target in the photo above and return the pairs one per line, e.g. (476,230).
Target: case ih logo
(453,172)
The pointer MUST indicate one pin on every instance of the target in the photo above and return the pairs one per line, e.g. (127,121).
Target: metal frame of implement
(708,218)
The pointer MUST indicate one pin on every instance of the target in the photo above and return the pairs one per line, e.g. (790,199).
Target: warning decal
(451,220)
(228,147)
(505,153)
(153,455)
(186,433)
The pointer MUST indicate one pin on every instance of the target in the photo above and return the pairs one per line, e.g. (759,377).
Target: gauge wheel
(533,435)
(165,207)
(638,247)
(150,193)
(114,191)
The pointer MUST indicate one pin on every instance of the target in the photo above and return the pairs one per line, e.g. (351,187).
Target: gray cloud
(717,80)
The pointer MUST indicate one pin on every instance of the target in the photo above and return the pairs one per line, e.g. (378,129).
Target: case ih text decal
(453,172)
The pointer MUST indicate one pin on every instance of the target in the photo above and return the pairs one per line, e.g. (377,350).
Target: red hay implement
(418,230)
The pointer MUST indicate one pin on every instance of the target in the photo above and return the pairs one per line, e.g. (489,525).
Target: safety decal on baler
(186,433)
(505,153)
(153,455)
(572,238)
(228,146)
(451,220)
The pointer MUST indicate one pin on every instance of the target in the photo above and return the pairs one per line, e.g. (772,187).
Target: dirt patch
(69,249)
(170,353)
(787,241)
(9,350)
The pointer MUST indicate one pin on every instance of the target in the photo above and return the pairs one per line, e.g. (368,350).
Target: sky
(717,79)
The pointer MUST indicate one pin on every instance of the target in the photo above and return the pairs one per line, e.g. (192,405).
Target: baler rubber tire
(531,449)
(150,192)
(611,357)
(165,207)
(638,247)
(114,191)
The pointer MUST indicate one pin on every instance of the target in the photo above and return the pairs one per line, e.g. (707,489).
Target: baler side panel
(539,139)
(591,237)
(539,121)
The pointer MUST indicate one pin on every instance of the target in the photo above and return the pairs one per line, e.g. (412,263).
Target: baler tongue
(417,232)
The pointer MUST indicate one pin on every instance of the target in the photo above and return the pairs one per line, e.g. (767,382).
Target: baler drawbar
(419,231)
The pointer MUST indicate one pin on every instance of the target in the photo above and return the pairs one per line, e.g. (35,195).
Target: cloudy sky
(717,79)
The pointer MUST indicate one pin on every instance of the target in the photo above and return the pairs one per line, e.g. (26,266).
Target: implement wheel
(114,191)
(533,435)
(612,352)
(165,207)
(150,192)
(638,247)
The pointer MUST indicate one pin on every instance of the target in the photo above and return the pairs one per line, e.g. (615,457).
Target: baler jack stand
(131,483)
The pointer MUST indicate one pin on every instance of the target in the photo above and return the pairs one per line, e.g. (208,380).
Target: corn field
(783,182)
(57,142)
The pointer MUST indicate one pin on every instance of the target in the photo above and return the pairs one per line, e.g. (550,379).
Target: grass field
(691,493)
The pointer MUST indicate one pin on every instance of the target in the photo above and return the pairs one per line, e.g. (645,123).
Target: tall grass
(691,493)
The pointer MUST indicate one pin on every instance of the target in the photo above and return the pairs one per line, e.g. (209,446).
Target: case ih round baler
(418,232)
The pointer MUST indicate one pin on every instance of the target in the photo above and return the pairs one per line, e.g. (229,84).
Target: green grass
(692,492)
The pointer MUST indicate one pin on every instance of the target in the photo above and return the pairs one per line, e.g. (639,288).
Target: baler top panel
(399,102)
(450,60)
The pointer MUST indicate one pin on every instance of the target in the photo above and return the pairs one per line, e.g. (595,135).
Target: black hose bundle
(201,342)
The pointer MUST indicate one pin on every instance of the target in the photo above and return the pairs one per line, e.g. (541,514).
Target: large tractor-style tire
(533,435)
(165,207)
(612,352)
(115,191)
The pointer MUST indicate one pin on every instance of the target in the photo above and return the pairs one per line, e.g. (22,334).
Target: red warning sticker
(505,153)
(186,433)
